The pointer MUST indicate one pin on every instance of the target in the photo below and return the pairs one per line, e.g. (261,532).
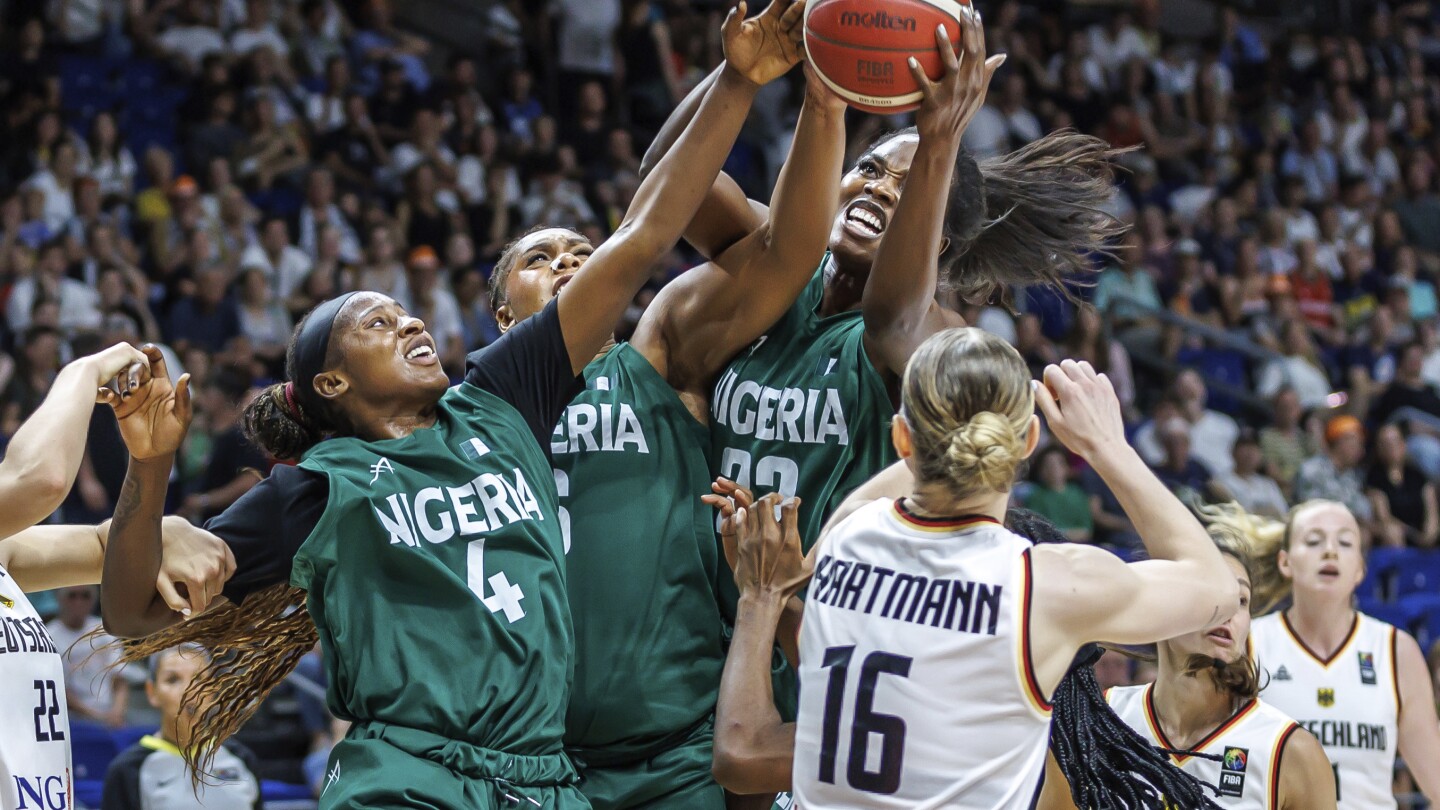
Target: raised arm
(1084,594)
(153,422)
(710,313)
(44,456)
(727,215)
(666,201)
(899,299)
(754,748)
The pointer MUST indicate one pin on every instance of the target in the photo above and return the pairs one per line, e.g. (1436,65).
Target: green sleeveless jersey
(436,578)
(803,411)
(630,467)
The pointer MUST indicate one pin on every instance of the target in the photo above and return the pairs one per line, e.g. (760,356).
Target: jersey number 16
(891,729)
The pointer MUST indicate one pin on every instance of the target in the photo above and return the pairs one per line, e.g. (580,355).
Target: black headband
(311,346)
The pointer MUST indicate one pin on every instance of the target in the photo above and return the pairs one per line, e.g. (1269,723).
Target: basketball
(859,48)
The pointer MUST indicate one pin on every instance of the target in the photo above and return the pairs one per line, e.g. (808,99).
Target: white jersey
(34,720)
(916,688)
(1350,702)
(1249,746)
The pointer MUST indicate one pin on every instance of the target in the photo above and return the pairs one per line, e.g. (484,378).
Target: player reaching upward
(40,465)
(928,650)
(1204,709)
(1357,683)
(422,524)
(630,458)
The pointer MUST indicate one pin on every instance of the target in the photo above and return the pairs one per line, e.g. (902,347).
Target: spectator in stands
(1335,473)
(1125,295)
(320,210)
(1405,274)
(284,265)
(429,214)
(35,368)
(1246,484)
(264,321)
(235,465)
(1419,209)
(258,31)
(1090,339)
(1312,164)
(195,36)
(1299,368)
(1212,434)
(57,182)
(355,152)
(1058,498)
(1409,391)
(432,303)
(382,272)
(94,688)
(153,773)
(209,319)
(425,144)
(1185,476)
(79,305)
(271,151)
(379,41)
(1402,496)
(218,136)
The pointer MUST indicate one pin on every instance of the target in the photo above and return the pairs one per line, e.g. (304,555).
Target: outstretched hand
(767,553)
(729,496)
(950,101)
(155,415)
(1081,408)
(765,47)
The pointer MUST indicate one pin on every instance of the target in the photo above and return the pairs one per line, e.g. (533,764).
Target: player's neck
(1189,707)
(1321,623)
(934,501)
(844,287)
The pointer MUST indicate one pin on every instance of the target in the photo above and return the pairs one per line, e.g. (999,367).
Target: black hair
(500,275)
(1107,764)
(278,423)
(1035,216)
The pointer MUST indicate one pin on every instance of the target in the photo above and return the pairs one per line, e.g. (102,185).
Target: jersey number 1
(47,711)
(867,721)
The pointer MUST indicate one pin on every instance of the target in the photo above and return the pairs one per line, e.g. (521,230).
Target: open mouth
(1329,572)
(865,219)
(422,351)
(1221,636)
(560,284)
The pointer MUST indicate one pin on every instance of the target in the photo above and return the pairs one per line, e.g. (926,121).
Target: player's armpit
(1307,781)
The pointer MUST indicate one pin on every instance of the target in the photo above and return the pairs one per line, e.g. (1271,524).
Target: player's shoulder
(131,758)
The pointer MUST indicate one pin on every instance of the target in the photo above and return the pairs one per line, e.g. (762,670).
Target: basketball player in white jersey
(928,650)
(1357,683)
(1204,703)
(39,467)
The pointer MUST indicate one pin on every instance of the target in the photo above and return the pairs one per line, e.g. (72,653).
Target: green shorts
(677,777)
(383,766)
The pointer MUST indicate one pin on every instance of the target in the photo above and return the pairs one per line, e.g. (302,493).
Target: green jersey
(803,411)
(630,467)
(436,579)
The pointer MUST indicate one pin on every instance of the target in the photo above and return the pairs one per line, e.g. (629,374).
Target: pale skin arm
(1419,727)
(1085,594)
(195,562)
(1055,795)
(44,456)
(1306,779)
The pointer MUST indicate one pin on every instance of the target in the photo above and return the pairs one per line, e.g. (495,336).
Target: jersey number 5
(891,729)
(507,596)
(47,711)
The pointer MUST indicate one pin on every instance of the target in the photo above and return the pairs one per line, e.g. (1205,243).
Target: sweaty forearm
(676,124)
(131,607)
(44,456)
(1165,525)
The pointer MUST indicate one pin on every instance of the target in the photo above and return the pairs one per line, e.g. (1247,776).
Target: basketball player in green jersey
(421,522)
(806,410)
(631,460)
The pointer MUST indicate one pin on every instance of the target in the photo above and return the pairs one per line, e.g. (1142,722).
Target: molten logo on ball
(878,20)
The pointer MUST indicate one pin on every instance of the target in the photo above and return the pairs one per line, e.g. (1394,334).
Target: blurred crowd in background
(199,173)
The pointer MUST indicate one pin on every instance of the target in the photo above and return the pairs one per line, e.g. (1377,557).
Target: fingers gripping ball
(859,48)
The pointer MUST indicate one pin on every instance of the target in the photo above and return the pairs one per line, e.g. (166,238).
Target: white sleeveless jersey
(916,689)
(34,721)
(1250,746)
(1350,702)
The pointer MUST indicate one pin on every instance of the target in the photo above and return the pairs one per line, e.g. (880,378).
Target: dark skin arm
(754,749)
(727,215)
(153,421)
(899,304)
(665,202)
(702,319)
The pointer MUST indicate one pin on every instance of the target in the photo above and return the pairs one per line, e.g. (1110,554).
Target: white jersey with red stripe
(34,719)
(1247,748)
(1349,701)
(916,684)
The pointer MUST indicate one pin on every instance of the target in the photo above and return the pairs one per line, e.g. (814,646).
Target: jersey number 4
(46,713)
(891,729)
(506,597)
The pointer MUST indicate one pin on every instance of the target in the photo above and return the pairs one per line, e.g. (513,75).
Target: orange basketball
(860,48)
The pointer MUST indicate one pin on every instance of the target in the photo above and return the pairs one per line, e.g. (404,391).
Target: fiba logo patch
(1325,696)
(1232,771)
(1367,668)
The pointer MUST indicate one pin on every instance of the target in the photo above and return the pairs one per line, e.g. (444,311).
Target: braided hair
(1108,764)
